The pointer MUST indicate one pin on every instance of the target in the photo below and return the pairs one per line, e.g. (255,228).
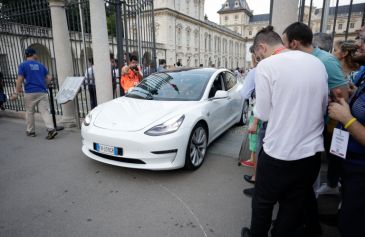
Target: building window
(187,7)
(250,32)
(352,25)
(226,18)
(188,38)
(328,27)
(340,26)
(226,5)
(236,17)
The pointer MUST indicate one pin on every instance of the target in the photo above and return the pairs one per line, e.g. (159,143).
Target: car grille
(119,159)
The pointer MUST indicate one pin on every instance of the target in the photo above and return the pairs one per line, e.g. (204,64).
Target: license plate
(109,150)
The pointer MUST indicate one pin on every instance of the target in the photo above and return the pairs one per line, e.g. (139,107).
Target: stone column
(62,47)
(103,76)
(284,13)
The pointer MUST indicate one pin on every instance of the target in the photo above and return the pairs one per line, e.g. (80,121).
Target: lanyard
(279,50)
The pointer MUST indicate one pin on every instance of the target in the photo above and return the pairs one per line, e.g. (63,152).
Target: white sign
(69,89)
(340,140)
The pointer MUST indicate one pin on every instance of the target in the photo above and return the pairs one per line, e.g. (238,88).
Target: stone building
(237,16)
(188,36)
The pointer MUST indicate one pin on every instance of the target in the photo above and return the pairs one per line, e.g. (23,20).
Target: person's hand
(340,111)
(14,96)
(252,128)
(352,88)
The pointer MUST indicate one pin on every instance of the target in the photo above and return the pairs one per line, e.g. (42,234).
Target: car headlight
(170,126)
(87,119)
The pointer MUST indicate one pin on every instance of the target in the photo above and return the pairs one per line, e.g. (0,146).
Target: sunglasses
(361,38)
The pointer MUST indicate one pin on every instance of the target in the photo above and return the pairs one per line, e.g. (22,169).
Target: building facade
(237,16)
(188,37)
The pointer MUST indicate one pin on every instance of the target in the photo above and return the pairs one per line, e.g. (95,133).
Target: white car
(166,122)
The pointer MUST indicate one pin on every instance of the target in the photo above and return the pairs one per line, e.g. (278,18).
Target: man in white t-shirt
(291,94)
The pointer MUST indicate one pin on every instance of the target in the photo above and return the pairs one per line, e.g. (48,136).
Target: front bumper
(140,151)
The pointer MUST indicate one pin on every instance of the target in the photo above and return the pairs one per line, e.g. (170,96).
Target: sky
(260,6)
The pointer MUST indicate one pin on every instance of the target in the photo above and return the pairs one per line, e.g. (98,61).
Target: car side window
(217,85)
(229,80)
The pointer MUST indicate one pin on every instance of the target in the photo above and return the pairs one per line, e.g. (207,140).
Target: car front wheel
(197,147)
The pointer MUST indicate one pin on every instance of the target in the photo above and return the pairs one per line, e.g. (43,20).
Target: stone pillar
(103,76)
(284,13)
(62,47)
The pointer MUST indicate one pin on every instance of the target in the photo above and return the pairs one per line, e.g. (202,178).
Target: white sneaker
(325,189)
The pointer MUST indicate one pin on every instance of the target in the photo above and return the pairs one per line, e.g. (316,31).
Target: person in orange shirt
(131,74)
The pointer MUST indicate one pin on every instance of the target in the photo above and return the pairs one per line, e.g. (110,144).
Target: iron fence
(339,21)
(27,23)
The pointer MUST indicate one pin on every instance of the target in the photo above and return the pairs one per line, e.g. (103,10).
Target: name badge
(340,140)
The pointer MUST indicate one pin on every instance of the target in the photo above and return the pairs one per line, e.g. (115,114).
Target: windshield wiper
(139,97)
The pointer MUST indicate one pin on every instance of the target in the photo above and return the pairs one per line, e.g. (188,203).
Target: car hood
(130,114)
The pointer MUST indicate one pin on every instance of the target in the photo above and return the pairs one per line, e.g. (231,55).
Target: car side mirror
(221,94)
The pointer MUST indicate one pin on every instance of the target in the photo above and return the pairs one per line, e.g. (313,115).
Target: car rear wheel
(244,114)
(197,147)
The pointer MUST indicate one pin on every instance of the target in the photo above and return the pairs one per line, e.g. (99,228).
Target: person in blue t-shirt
(35,78)
(352,119)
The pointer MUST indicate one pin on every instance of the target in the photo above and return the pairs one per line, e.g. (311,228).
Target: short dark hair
(267,35)
(162,61)
(299,31)
(133,57)
(91,60)
(252,50)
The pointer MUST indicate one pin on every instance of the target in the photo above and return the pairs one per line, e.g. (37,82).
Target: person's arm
(48,79)
(336,80)
(341,112)
(248,85)
(18,87)
(125,70)
(263,94)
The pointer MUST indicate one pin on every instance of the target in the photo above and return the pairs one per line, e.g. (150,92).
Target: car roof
(211,70)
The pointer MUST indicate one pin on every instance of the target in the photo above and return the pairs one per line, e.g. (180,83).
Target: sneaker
(245,232)
(248,163)
(249,191)
(327,190)
(31,134)
(51,134)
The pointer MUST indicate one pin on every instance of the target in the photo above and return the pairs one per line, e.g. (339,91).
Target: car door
(235,101)
(217,108)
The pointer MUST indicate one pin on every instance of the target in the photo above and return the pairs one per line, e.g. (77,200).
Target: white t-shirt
(292,95)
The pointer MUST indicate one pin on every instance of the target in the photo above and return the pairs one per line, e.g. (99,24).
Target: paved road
(49,188)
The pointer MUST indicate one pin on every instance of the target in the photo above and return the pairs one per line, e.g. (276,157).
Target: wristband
(350,122)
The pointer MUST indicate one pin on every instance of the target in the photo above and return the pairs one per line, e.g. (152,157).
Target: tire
(196,148)
(244,114)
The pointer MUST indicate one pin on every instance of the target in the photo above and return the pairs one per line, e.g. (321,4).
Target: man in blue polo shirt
(35,78)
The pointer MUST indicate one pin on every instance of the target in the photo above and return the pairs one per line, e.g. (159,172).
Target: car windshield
(186,85)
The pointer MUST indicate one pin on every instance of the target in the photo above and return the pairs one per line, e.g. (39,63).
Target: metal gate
(25,23)
(338,21)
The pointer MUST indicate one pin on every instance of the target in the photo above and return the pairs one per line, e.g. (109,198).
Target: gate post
(99,33)
(284,13)
(62,47)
